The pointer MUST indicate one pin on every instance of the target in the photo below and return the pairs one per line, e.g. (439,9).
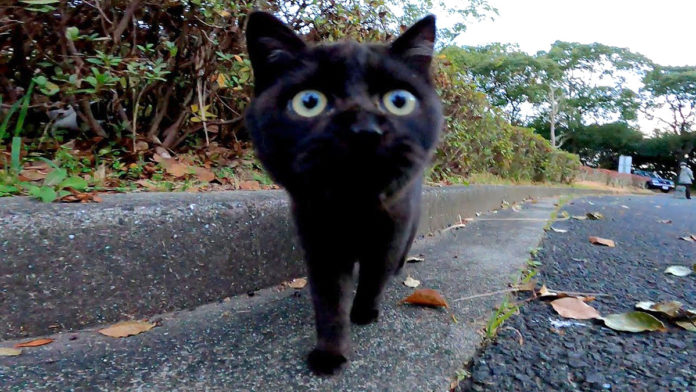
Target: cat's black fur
(354,172)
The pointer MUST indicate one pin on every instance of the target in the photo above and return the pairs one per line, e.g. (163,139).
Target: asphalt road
(534,353)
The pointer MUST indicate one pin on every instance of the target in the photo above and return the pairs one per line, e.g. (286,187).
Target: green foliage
(477,139)
(675,89)
(503,312)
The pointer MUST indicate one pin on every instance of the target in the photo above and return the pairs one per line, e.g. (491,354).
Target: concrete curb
(68,266)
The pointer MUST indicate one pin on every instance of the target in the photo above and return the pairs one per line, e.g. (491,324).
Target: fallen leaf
(412,283)
(34,343)
(678,270)
(176,169)
(633,322)
(249,185)
(32,175)
(693,237)
(9,352)
(141,146)
(544,292)
(571,307)
(602,241)
(426,297)
(688,325)
(665,221)
(415,259)
(579,217)
(588,298)
(203,174)
(298,283)
(126,328)
(671,309)
(687,239)
(558,230)
(594,216)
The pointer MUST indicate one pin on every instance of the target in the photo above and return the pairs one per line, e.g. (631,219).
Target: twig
(201,109)
(486,294)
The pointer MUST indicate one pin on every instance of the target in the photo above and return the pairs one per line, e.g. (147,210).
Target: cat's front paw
(325,363)
(363,316)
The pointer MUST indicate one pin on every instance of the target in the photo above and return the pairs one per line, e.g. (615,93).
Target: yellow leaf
(238,58)
(298,283)
(221,80)
(126,328)
(9,352)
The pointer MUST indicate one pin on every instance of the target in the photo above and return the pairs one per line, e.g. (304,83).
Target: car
(655,181)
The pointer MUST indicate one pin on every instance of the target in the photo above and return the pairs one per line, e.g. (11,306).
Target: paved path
(258,343)
(531,354)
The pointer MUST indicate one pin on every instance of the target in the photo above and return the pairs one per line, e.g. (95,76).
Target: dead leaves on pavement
(126,328)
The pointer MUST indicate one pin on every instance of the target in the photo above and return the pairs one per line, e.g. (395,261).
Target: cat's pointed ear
(416,45)
(271,46)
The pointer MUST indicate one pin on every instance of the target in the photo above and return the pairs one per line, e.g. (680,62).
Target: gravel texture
(534,353)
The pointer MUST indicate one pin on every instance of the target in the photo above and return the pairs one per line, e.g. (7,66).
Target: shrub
(477,139)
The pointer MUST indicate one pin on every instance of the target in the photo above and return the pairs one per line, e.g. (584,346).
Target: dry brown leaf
(602,241)
(34,343)
(9,352)
(571,307)
(126,328)
(588,298)
(33,175)
(544,292)
(203,174)
(298,283)
(176,169)
(147,184)
(249,185)
(426,297)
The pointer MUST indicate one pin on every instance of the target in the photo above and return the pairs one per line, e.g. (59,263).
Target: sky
(662,30)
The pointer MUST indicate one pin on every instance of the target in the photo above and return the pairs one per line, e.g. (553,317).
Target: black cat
(347,129)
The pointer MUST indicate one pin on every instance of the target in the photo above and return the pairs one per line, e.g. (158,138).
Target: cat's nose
(367,126)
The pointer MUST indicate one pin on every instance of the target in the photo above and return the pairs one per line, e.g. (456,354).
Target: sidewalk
(258,343)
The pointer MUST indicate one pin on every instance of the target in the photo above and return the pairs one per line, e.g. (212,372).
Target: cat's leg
(384,254)
(331,285)
(373,277)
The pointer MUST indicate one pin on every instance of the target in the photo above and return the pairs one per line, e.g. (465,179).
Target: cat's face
(341,116)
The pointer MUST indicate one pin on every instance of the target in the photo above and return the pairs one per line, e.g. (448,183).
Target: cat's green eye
(399,102)
(309,103)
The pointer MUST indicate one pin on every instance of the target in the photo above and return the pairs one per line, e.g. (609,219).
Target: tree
(673,88)
(601,145)
(508,76)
